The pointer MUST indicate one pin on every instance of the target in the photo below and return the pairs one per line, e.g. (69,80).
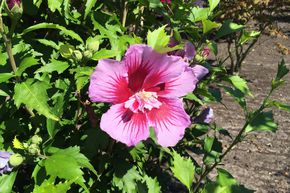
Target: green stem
(125,12)
(8,45)
(234,143)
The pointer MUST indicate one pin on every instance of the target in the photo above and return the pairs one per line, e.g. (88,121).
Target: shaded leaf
(26,63)
(227,28)
(282,70)
(264,121)
(240,84)
(128,182)
(65,31)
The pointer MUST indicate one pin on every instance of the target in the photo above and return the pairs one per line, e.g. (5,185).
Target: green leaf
(3,93)
(213,47)
(208,25)
(225,183)
(224,178)
(65,31)
(183,169)
(128,182)
(33,94)
(52,125)
(240,84)
(89,5)
(67,164)
(158,39)
(152,184)
(49,43)
(282,70)
(54,65)
(26,63)
(104,53)
(193,97)
(5,76)
(213,4)
(247,36)
(237,95)
(279,105)
(54,5)
(82,76)
(37,3)
(3,57)
(228,27)
(49,187)
(208,142)
(199,14)
(7,181)
(264,121)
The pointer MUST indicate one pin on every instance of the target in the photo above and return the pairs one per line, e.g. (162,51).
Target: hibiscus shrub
(115,96)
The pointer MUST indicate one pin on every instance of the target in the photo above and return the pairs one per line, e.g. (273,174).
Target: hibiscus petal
(169,122)
(199,71)
(109,82)
(183,84)
(147,68)
(125,126)
(179,86)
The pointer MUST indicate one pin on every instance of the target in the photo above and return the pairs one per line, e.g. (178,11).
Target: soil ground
(262,161)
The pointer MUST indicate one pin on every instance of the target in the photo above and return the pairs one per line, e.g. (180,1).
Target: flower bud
(15,160)
(14,9)
(66,51)
(77,55)
(88,54)
(36,139)
(206,116)
(34,149)
(93,46)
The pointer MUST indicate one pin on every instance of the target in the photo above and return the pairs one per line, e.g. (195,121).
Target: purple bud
(200,3)
(4,162)
(12,3)
(189,51)
(206,116)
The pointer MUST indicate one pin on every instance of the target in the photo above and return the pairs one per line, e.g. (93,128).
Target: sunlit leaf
(33,94)
(183,169)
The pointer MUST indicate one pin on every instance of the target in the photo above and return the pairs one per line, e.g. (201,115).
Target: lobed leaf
(33,94)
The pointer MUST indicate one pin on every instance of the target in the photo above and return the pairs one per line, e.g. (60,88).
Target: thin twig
(125,12)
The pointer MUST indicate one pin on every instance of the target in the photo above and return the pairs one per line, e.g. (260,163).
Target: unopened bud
(14,9)
(77,55)
(36,139)
(88,54)
(33,149)
(15,160)
(93,46)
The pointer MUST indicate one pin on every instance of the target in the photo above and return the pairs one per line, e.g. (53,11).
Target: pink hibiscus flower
(144,90)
